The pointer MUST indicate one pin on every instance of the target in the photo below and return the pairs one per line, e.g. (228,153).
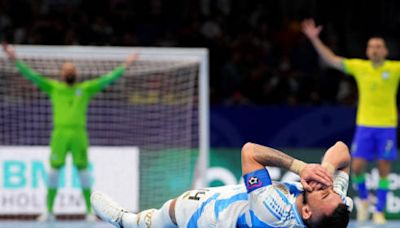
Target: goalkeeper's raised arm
(311,31)
(96,85)
(43,83)
(9,51)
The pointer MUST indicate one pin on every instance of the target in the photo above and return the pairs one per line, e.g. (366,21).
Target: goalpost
(159,105)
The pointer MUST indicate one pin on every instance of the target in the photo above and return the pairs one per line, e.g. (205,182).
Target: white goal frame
(199,55)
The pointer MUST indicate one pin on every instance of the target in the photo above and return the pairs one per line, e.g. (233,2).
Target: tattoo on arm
(270,157)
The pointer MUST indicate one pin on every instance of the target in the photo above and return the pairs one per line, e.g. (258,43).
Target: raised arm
(43,83)
(256,157)
(337,157)
(337,161)
(103,81)
(9,51)
(312,33)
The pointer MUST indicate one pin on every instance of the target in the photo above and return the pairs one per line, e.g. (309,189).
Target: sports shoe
(362,211)
(379,218)
(107,209)
(46,217)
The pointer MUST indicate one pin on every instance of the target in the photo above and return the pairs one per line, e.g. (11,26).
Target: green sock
(86,195)
(383,183)
(359,181)
(51,196)
(358,178)
(381,194)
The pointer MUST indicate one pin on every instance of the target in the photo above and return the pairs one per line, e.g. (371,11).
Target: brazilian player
(69,101)
(375,137)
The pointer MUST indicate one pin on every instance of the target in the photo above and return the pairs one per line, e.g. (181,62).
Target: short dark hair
(338,219)
(377,37)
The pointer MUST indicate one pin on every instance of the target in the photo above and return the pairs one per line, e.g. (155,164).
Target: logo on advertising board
(24,174)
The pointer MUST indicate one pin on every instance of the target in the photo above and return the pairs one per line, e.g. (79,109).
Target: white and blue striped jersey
(257,203)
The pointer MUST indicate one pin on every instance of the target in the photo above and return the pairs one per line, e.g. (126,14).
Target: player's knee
(357,167)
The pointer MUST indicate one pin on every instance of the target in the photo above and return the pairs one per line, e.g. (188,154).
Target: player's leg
(381,193)
(358,166)
(111,212)
(58,147)
(384,167)
(387,147)
(79,149)
(362,150)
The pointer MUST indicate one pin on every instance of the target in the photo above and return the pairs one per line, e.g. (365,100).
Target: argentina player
(318,201)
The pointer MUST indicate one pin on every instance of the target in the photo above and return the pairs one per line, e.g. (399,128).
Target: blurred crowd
(258,54)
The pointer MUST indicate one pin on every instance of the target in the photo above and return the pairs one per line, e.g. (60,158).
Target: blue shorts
(375,143)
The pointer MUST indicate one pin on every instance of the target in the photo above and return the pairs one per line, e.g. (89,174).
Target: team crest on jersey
(385,75)
(78,92)
(254,182)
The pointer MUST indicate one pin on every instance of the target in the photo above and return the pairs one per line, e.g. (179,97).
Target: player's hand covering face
(316,173)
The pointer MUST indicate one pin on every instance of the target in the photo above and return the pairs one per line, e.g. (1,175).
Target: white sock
(149,218)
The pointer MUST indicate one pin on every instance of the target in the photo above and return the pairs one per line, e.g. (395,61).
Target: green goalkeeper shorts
(69,140)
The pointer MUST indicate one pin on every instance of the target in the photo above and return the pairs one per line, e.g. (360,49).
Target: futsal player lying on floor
(318,200)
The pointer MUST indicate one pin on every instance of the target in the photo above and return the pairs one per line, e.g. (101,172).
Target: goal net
(158,105)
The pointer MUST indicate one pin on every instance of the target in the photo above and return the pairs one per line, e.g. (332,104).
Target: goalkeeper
(259,202)
(69,101)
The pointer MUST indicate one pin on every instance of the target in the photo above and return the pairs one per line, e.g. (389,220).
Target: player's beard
(70,79)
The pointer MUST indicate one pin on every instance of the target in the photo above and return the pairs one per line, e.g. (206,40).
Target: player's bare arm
(131,59)
(255,157)
(311,31)
(337,157)
(9,51)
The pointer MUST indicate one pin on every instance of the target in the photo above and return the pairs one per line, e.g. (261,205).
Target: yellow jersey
(377,89)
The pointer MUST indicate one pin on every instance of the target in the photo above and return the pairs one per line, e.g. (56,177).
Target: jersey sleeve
(259,189)
(351,66)
(268,206)
(43,83)
(96,85)
(397,69)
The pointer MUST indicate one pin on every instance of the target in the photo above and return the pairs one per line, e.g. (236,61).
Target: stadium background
(267,84)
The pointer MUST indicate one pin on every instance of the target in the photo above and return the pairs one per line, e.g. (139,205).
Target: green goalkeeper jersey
(69,103)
